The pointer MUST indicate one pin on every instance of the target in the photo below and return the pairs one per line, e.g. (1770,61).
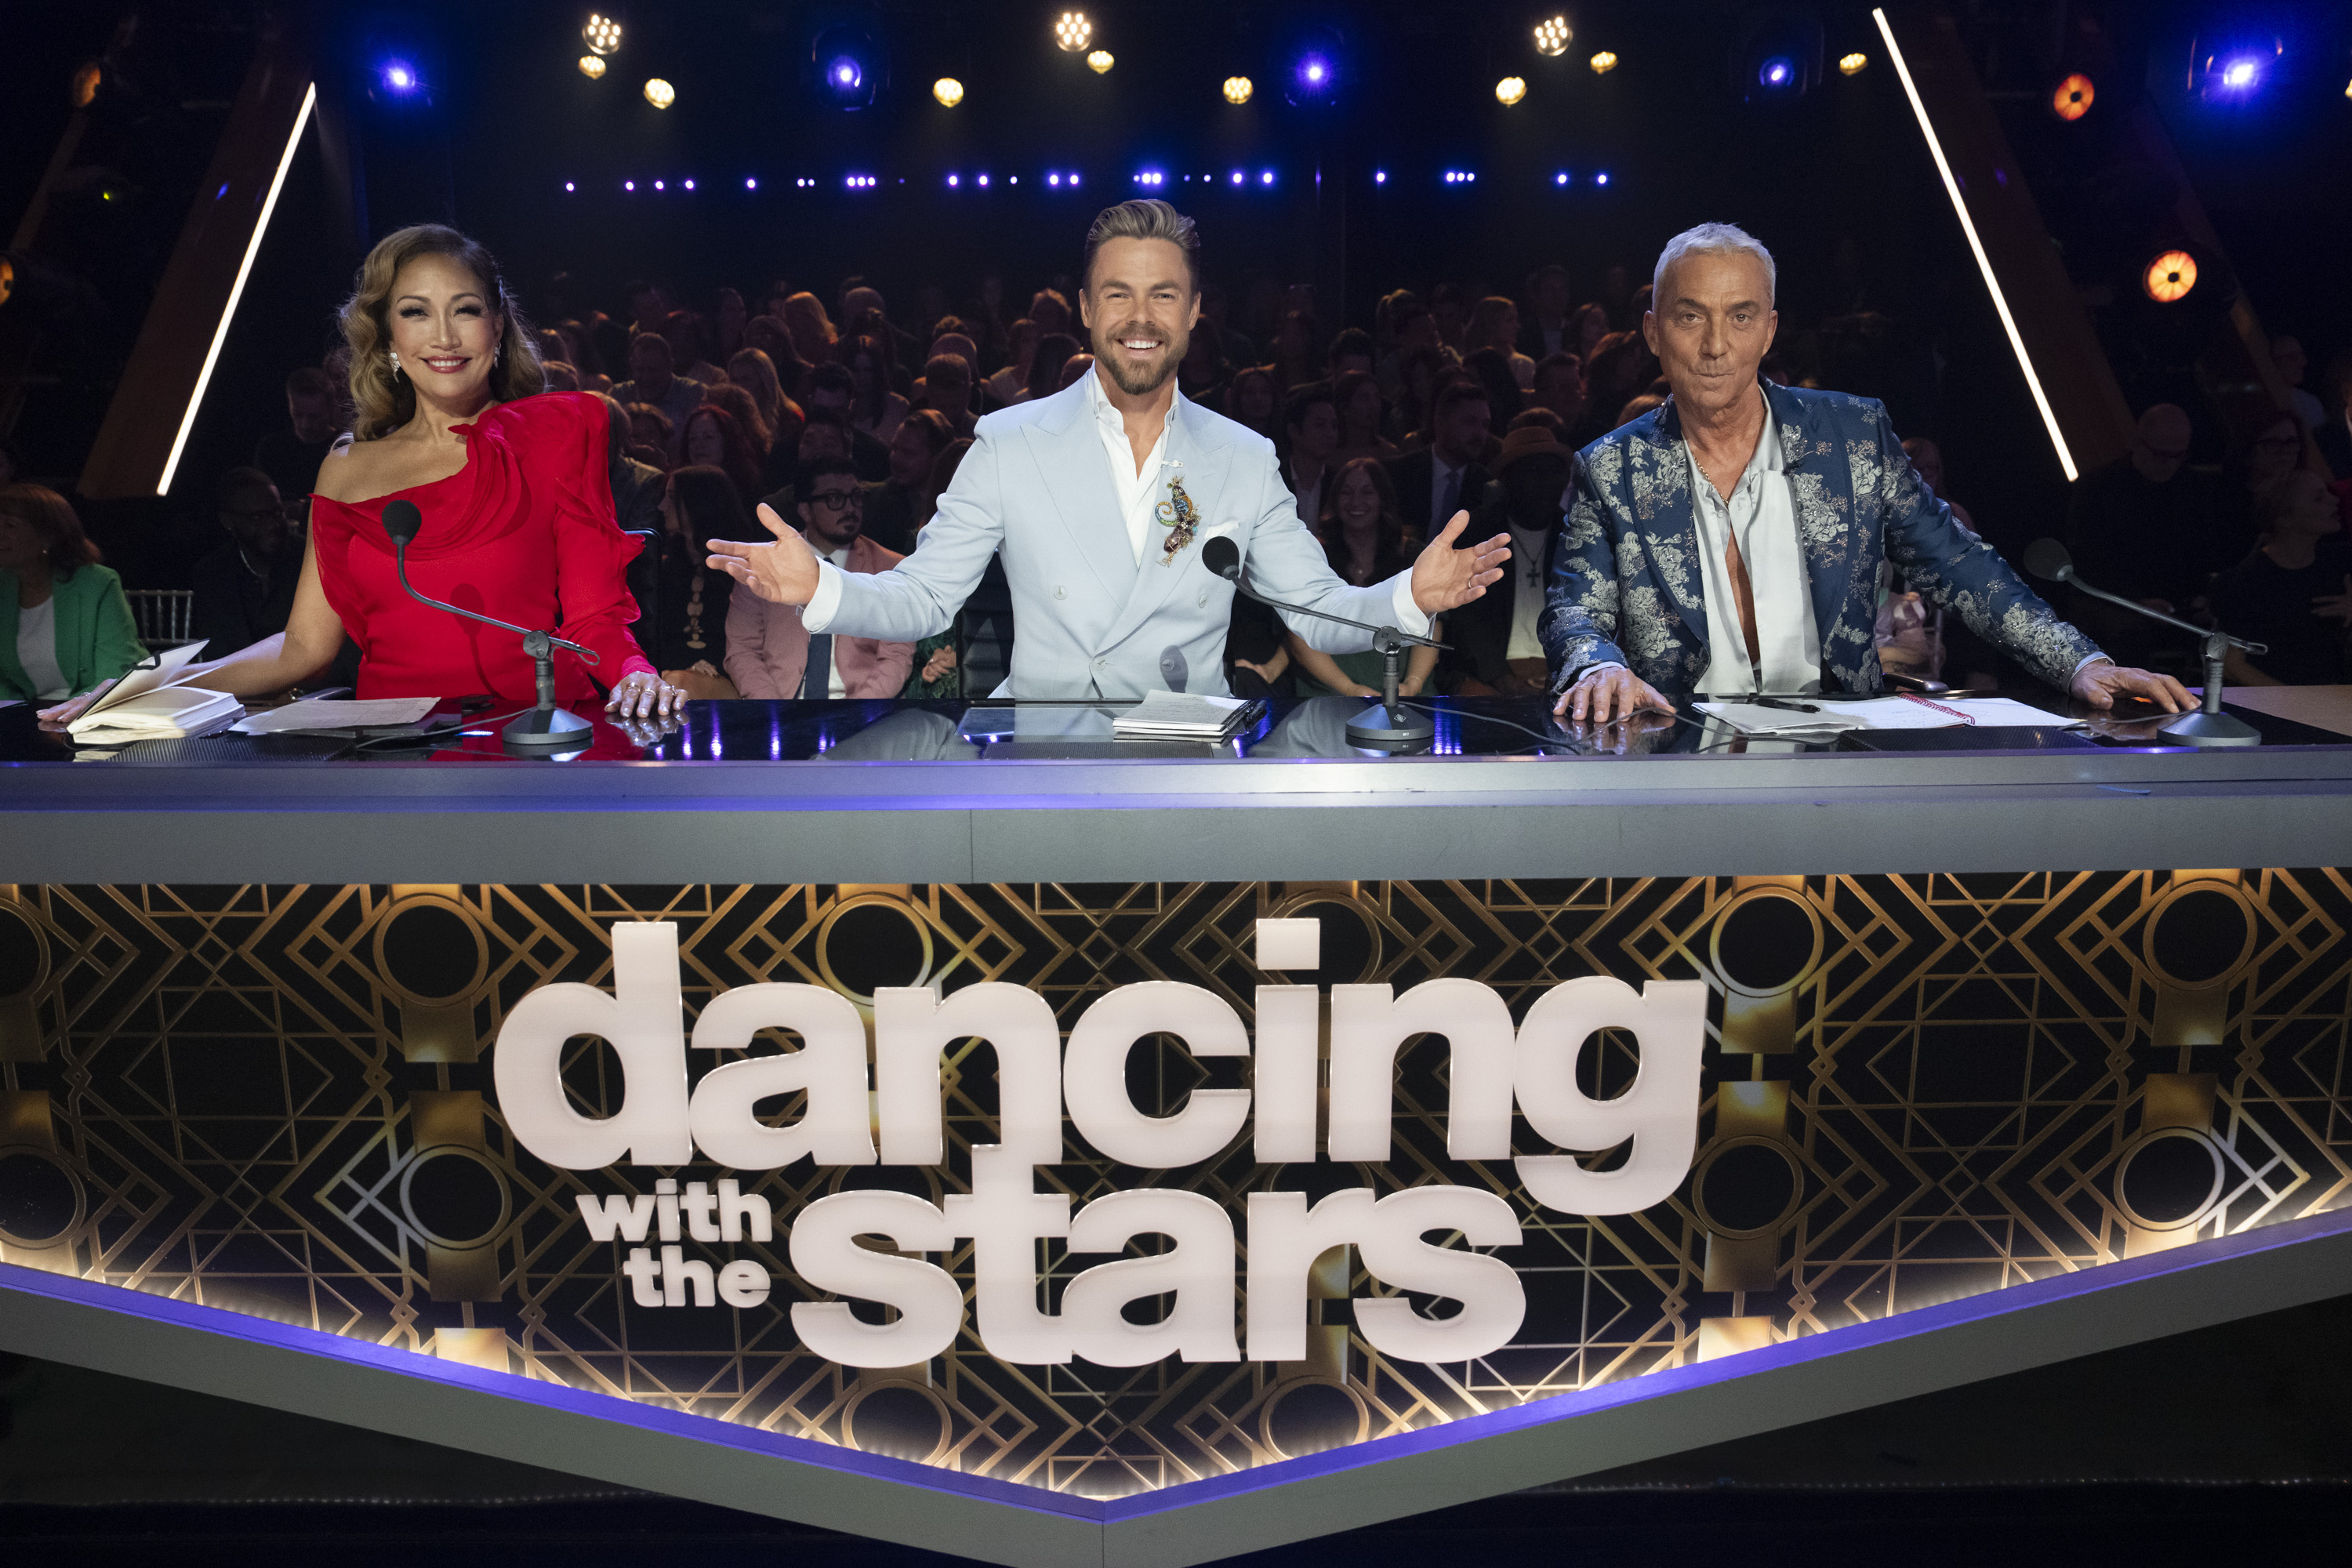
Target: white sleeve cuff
(2093,658)
(1408,618)
(817,613)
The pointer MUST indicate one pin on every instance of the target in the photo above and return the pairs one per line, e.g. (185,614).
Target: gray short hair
(1714,239)
(1143,219)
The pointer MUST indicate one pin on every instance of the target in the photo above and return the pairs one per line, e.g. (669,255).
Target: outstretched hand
(1445,578)
(2099,684)
(784,572)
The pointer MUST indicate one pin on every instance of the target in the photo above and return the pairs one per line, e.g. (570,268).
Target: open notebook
(1831,715)
(151,705)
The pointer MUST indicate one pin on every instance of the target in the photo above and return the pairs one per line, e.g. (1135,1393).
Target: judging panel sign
(1103,1189)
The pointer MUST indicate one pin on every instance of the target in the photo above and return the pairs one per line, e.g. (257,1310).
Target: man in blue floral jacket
(1730,541)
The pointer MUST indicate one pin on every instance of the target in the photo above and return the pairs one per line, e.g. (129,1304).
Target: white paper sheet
(328,713)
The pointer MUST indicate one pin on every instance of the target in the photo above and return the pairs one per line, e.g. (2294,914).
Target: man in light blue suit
(1100,499)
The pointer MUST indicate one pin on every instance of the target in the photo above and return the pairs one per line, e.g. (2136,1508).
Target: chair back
(163,615)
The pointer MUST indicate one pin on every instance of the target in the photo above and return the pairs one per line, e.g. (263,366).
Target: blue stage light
(1560,178)
(1265,177)
(1074,179)
(690,184)
(1053,179)
(1239,176)
(954,181)
(659,186)
(751,184)
(1777,73)
(2241,73)
(1601,179)
(1380,176)
(400,77)
(570,186)
(628,184)
(847,66)
(983,182)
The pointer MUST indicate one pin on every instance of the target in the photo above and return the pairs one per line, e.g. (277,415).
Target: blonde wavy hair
(383,402)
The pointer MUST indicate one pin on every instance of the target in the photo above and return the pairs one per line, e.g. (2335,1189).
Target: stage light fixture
(948,91)
(569,186)
(983,182)
(1603,63)
(1238,89)
(628,184)
(1601,179)
(1552,38)
(592,67)
(1265,177)
(659,93)
(1073,32)
(85,83)
(1053,179)
(661,185)
(848,67)
(751,184)
(954,181)
(2074,97)
(1560,178)
(1239,176)
(602,34)
(1510,89)
(1314,78)
(2169,276)
(690,184)
(1380,176)
(400,77)
(1852,65)
(1100,62)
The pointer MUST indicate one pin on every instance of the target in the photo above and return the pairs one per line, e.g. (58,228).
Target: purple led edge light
(1982,1307)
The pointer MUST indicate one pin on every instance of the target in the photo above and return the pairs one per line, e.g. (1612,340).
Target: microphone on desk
(2048,559)
(1398,728)
(545,727)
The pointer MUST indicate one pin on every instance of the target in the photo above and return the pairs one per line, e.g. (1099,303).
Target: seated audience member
(1366,542)
(946,392)
(735,402)
(1405,326)
(1490,368)
(771,654)
(2148,526)
(1560,386)
(697,506)
(1076,371)
(826,435)
(637,486)
(863,312)
(714,438)
(560,377)
(889,518)
(1055,351)
(767,334)
(1011,384)
(580,355)
(726,324)
(755,373)
(1356,398)
(1291,357)
(2286,354)
(957,345)
(874,406)
(1449,316)
(1050,309)
(813,332)
(1251,399)
(1928,462)
(1496,646)
(1311,432)
(1234,346)
(688,335)
(1536,418)
(1544,324)
(1586,328)
(64,626)
(1614,374)
(648,305)
(2293,593)
(1494,324)
(1423,370)
(245,589)
(1701,552)
(1444,477)
(652,437)
(1350,353)
(291,456)
(1638,406)
(652,381)
(832,389)
(937,670)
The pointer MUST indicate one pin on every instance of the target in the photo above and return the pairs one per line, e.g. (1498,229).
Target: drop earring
(395,367)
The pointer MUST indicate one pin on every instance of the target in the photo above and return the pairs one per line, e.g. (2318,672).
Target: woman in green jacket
(65,625)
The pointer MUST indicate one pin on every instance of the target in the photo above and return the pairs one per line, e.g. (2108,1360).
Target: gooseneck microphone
(1396,727)
(545,727)
(2048,559)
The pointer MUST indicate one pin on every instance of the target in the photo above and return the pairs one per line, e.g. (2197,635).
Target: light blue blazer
(1088,620)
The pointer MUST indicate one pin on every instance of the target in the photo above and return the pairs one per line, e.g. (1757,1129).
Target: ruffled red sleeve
(592,553)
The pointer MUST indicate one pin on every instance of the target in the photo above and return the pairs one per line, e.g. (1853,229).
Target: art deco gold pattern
(277,1100)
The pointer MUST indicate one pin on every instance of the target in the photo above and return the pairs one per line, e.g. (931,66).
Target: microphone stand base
(2206,730)
(547,730)
(1386,729)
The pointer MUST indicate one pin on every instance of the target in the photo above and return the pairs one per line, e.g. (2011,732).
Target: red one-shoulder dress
(523,531)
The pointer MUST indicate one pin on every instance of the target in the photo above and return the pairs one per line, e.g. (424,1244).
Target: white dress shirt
(36,650)
(839,561)
(1527,602)
(1310,497)
(1762,515)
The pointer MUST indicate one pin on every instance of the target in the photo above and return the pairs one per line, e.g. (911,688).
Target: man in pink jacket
(771,654)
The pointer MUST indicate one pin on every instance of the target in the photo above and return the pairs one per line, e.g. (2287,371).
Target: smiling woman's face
(443,328)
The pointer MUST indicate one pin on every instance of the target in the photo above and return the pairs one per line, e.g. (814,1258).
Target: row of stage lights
(1058,179)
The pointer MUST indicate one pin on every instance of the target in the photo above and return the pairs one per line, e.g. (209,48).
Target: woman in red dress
(513,487)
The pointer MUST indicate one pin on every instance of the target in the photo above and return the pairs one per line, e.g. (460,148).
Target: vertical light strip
(244,269)
(1984,263)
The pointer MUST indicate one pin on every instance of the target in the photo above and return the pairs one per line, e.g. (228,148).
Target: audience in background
(1544,328)
(715,438)
(936,667)
(1366,542)
(2146,526)
(1010,384)
(833,390)
(654,382)
(1444,477)
(245,589)
(771,654)
(874,406)
(2335,431)
(1495,646)
(2287,355)
(1311,433)
(2293,593)
(1356,398)
(890,507)
(291,456)
(64,626)
(699,506)
(811,329)
(1494,324)
(946,390)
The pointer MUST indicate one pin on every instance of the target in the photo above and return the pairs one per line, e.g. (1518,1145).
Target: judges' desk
(1886,1070)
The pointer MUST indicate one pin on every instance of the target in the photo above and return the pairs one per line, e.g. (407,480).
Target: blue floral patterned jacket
(1625,578)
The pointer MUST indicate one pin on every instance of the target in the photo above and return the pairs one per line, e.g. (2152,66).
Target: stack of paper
(1177,716)
(328,713)
(152,705)
(1832,715)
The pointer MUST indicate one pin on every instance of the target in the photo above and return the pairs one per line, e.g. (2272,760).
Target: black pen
(1783,704)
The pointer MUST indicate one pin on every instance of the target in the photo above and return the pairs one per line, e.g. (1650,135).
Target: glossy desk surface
(956,792)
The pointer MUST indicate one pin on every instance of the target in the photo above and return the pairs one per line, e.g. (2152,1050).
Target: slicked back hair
(1147,218)
(1714,239)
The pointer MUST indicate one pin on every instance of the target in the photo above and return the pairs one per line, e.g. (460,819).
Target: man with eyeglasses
(245,589)
(771,652)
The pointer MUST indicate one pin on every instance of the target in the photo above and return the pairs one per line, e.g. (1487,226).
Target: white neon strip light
(236,290)
(1984,263)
